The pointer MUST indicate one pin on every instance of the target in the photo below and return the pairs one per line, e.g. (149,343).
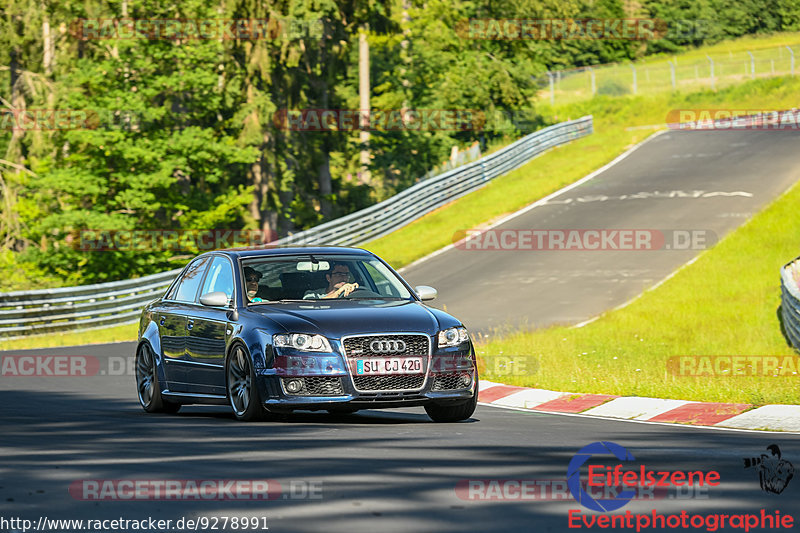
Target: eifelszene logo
(574,476)
(774,473)
(615,477)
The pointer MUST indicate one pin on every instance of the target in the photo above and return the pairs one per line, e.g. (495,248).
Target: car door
(172,330)
(174,319)
(208,331)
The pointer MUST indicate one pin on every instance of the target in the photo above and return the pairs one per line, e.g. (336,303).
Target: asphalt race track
(395,470)
(372,471)
(705,181)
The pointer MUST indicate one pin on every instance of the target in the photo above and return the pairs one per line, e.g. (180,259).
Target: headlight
(453,337)
(302,341)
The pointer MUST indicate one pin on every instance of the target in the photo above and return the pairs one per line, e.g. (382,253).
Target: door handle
(163,318)
(190,324)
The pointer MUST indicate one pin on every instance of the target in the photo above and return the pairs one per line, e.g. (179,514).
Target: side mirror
(214,299)
(425,293)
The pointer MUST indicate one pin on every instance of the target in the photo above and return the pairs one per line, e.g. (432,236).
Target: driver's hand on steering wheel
(346,289)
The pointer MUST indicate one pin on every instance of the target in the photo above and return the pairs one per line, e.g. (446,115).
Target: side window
(383,285)
(219,278)
(172,290)
(187,288)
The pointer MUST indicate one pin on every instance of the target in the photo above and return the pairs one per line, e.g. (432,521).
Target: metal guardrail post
(712,71)
(672,73)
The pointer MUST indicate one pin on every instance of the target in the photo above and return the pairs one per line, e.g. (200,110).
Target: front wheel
(241,386)
(147,385)
(452,413)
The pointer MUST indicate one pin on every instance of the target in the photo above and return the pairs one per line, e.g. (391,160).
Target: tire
(452,413)
(240,386)
(147,386)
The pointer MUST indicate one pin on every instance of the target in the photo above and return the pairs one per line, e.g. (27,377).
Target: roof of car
(244,253)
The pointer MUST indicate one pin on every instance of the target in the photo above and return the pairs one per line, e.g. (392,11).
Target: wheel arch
(151,338)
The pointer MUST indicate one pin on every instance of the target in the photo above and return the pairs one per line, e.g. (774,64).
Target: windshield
(320,277)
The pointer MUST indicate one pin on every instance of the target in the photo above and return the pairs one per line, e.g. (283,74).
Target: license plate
(384,366)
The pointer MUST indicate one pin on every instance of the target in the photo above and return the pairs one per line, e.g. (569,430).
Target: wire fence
(676,74)
(25,313)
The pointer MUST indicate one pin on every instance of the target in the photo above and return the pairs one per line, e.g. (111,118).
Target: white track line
(544,200)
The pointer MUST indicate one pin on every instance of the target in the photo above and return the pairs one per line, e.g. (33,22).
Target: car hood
(348,317)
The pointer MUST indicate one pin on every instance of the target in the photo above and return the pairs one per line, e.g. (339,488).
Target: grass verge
(125,332)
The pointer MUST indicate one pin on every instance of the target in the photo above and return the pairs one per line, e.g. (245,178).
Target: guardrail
(79,308)
(790,302)
(91,306)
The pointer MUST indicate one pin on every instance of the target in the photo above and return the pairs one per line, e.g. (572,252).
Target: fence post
(634,77)
(672,73)
(594,82)
(752,65)
(712,71)
(552,89)
(791,53)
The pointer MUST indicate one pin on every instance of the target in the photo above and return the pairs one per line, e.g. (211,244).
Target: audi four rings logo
(387,346)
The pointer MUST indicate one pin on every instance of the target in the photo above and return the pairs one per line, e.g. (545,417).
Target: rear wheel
(147,385)
(454,412)
(241,386)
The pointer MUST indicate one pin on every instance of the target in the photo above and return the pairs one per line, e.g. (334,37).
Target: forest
(139,115)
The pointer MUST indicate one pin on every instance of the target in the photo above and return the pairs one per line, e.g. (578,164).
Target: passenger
(337,284)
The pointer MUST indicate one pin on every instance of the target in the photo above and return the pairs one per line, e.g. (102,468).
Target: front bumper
(321,392)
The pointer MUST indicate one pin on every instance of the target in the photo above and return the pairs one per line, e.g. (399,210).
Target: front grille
(448,382)
(360,346)
(317,386)
(399,382)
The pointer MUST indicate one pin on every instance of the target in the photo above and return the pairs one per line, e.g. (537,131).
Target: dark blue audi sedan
(274,330)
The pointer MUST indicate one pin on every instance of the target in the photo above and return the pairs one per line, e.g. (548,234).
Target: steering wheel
(365,293)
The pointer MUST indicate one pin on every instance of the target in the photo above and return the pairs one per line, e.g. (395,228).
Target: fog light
(294,385)
(466,380)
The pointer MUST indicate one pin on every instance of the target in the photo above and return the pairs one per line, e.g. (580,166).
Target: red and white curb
(723,415)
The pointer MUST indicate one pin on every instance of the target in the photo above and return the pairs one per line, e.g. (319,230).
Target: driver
(251,277)
(337,284)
